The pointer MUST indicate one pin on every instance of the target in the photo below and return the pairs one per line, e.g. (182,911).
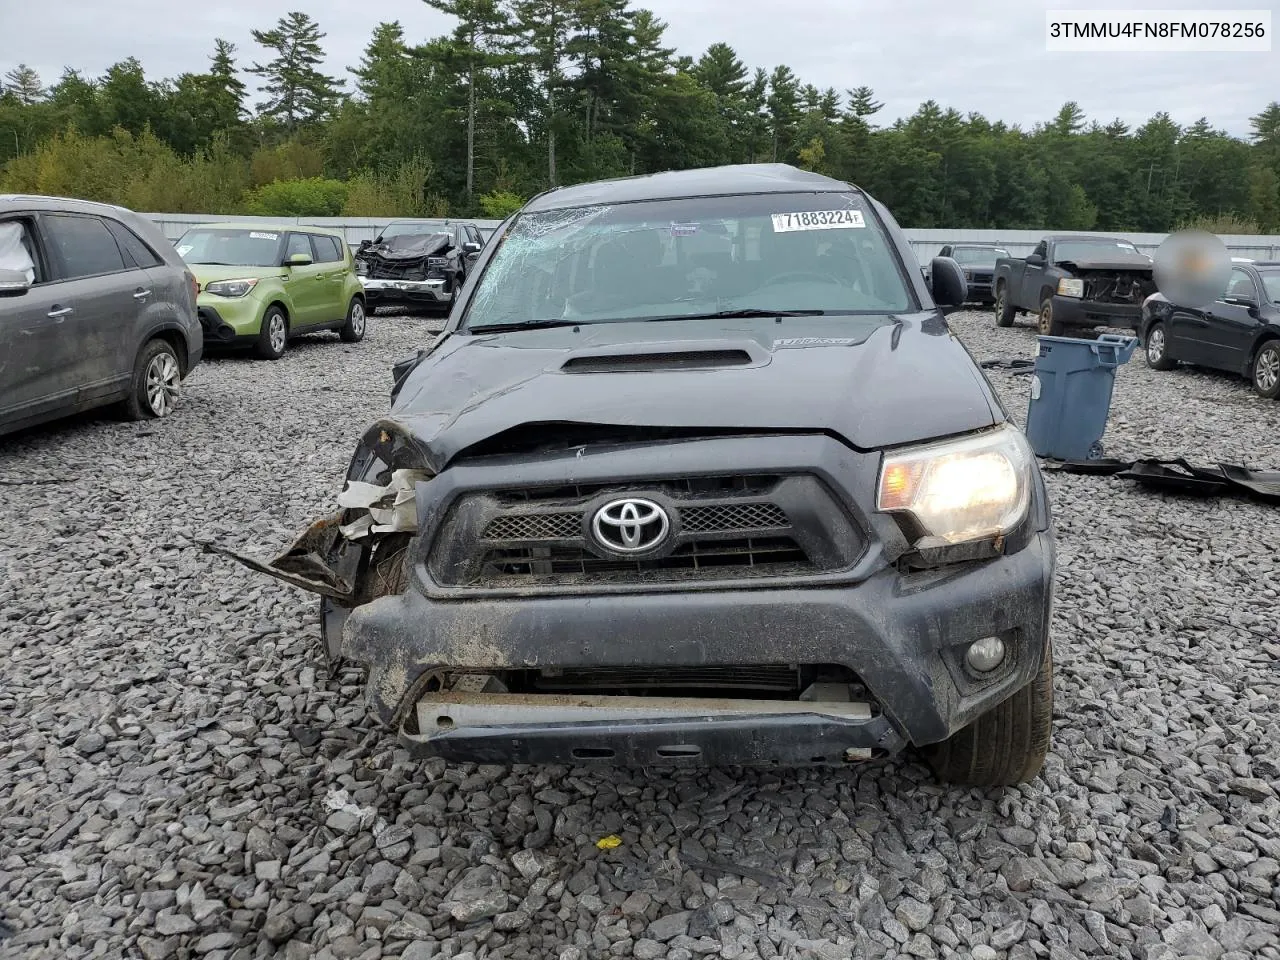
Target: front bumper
(1074,312)
(979,290)
(435,292)
(902,633)
(228,321)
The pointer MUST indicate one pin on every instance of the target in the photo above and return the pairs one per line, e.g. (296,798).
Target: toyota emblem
(633,525)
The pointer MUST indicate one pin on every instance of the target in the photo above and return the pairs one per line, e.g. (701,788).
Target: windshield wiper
(521,325)
(734,314)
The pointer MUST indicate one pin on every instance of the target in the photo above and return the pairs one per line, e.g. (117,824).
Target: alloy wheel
(1266,372)
(357,319)
(1155,346)
(277,333)
(164,384)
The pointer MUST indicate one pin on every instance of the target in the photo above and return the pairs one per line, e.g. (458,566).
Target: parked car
(1073,282)
(95,308)
(418,262)
(635,508)
(262,285)
(1238,333)
(978,260)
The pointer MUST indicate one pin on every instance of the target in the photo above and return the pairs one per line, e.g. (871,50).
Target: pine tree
(546,26)
(297,91)
(23,84)
(481,42)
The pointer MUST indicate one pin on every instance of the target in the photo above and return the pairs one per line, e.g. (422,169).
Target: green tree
(297,92)
(23,84)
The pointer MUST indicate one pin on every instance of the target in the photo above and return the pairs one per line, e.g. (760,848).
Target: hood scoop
(642,362)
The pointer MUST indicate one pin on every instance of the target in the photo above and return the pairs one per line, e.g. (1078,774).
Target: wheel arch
(278,301)
(173,335)
(1265,337)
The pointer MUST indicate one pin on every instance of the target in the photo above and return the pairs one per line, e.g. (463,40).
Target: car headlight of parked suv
(231,288)
(1070,288)
(962,490)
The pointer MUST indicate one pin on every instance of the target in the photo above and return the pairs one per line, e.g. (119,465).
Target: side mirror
(471,247)
(1243,302)
(298,260)
(1035,260)
(13,283)
(947,284)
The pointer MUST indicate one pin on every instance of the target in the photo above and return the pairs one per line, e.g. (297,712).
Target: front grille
(722,518)
(733,516)
(723,527)
(760,556)
(535,526)
(385,270)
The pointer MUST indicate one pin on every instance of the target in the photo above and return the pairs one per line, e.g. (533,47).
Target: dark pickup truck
(1071,281)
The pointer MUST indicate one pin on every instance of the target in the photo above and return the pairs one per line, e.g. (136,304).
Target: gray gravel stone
(173,736)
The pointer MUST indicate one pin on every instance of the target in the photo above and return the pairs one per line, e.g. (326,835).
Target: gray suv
(95,308)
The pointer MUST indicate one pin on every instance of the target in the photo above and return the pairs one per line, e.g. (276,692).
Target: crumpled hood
(409,246)
(871,381)
(1130,264)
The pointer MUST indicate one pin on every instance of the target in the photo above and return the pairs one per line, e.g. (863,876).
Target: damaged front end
(355,554)
(1120,287)
(408,257)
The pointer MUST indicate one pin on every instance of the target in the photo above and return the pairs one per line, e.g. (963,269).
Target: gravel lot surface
(179,777)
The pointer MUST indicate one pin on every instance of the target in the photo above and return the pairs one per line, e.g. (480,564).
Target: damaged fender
(321,560)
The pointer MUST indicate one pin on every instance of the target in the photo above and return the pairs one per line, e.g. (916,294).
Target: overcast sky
(986,56)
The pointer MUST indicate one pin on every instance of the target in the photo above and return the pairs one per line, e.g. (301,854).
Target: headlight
(1070,288)
(231,288)
(960,490)
(362,268)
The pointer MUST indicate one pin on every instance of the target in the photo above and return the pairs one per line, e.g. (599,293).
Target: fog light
(986,654)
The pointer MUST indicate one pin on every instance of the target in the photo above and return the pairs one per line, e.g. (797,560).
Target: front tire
(1048,324)
(353,330)
(1004,309)
(1004,746)
(1266,370)
(1156,349)
(157,382)
(274,335)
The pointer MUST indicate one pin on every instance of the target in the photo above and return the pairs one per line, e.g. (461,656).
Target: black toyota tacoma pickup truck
(650,500)
(1074,282)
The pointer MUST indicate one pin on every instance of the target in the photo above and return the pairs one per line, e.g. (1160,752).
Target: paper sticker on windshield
(184,249)
(264,236)
(818,220)
(683,229)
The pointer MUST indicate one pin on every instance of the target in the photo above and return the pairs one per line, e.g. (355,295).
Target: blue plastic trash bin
(1071,394)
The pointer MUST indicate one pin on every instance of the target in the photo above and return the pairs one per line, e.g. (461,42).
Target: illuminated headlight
(230,288)
(962,490)
(1070,288)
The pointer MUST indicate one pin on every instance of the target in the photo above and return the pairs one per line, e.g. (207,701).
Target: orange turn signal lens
(898,485)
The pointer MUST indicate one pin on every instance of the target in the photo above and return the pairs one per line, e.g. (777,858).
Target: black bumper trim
(1087,313)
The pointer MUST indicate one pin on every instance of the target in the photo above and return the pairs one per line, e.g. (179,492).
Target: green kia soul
(260,285)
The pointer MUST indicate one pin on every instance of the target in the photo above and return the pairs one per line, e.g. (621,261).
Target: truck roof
(746,178)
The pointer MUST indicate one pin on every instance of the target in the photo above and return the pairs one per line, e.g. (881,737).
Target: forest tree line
(527,94)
